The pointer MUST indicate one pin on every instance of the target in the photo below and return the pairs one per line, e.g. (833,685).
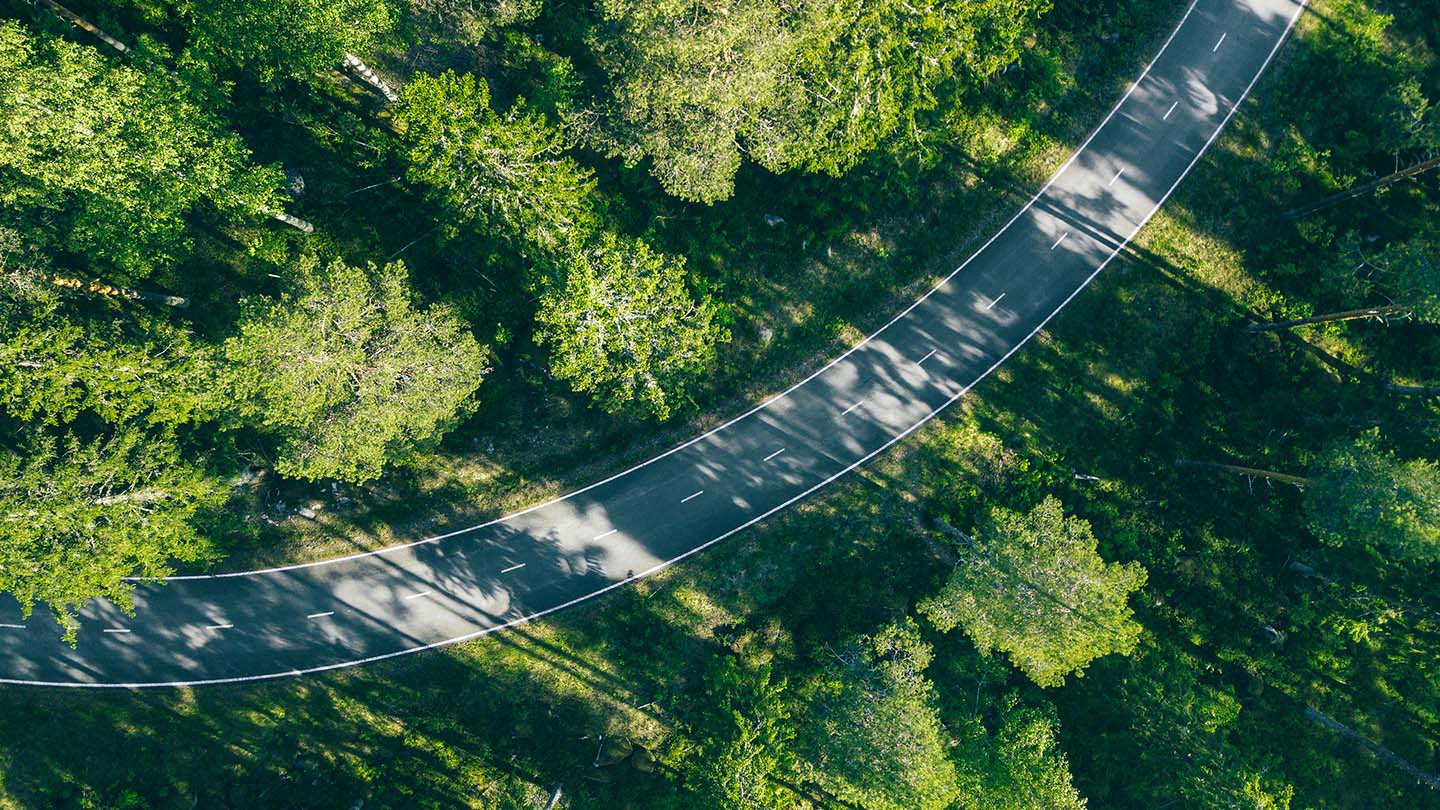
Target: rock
(766,335)
(294,184)
(306,512)
(772,220)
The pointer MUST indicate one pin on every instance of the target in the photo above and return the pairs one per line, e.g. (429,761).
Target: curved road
(352,610)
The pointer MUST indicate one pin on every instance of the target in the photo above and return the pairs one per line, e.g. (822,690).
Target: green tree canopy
(348,373)
(117,363)
(505,171)
(623,327)
(282,39)
(873,732)
(1035,588)
(77,517)
(107,161)
(1360,493)
(1020,766)
(814,84)
(748,741)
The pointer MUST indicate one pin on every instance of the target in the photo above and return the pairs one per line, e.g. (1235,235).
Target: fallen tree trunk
(1381,752)
(1238,470)
(371,77)
(1373,185)
(101,288)
(80,22)
(1347,315)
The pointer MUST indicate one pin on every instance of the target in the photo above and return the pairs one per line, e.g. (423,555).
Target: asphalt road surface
(352,610)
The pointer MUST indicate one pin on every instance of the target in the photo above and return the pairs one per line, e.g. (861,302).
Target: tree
(874,735)
(623,327)
(506,172)
(748,743)
(1034,587)
(108,161)
(282,39)
(78,516)
(695,87)
(348,373)
(1360,493)
(1020,767)
(118,364)
(1408,270)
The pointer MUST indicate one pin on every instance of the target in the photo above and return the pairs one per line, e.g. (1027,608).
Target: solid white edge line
(661,566)
(764,404)
(512,568)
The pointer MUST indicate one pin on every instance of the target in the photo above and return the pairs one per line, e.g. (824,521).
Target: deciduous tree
(348,373)
(507,172)
(1034,587)
(108,161)
(873,733)
(282,39)
(1359,492)
(623,327)
(78,516)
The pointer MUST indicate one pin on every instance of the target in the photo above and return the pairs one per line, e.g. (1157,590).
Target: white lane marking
(114,630)
(1062,238)
(927,356)
(992,304)
(321,615)
(697,549)
(1217,43)
(219,626)
(13,626)
(1054,178)
(692,497)
(515,567)
(847,411)
(1116,177)
(420,595)
(604,535)
(1166,117)
(774,454)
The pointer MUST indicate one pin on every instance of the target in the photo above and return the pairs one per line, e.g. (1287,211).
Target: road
(467,583)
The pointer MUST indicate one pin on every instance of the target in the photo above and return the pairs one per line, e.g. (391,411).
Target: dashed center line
(219,626)
(847,411)
(1061,239)
(992,304)
(1166,117)
(515,567)
(13,626)
(1217,43)
(604,535)
(692,497)
(420,595)
(115,630)
(927,356)
(1116,177)
(321,615)
(774,454)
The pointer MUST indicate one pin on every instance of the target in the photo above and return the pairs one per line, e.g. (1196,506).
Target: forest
(285,279)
